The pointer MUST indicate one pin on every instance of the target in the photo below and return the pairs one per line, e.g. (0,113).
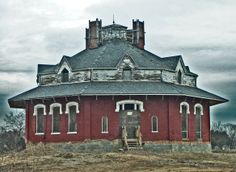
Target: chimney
(93,34)
(139,34)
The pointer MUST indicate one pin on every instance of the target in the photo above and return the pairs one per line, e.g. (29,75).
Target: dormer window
(127,74)
(179,77)
(65,75)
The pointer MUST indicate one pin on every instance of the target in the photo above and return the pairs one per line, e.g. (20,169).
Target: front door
(130,119)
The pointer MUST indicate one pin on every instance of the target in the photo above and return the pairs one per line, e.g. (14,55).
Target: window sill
(185,139)
(74,132)
(154,131)
(55,133)
(105,132)
(39,134)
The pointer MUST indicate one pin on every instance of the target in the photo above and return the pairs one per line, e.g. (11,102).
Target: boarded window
(72,119)
(104,125)
(198,123)
(64,75)
(184,116)
(56,120)
(127,75)
(40,120)
(154,121)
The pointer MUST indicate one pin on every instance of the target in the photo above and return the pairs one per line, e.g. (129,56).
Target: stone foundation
(115,145)
(177,147)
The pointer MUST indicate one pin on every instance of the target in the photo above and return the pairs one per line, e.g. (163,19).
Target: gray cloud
(202,31)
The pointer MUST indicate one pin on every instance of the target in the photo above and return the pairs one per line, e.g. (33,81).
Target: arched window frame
(135,102)
(198,105)
(72,104)
(152,122)
(186,119)
(184,104)
(68,105)
(36,115)
(63,79)
(105,120)
(198,119)
(55,105)
(39,106)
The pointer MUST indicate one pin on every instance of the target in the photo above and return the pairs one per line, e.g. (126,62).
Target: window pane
(40,120)
(56,119)
(129,106)
(198,123)
(72,119)
(154,123)
(104,124)
(184,122)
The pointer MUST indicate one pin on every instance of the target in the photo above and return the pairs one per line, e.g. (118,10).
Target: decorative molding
(135,102)
(198,105)
(72,104)
(55,105)
(184,104)
(39,106)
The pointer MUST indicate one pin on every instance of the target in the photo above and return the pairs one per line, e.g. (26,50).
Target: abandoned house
(116,90)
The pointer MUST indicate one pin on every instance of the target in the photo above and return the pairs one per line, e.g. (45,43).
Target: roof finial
(113,19)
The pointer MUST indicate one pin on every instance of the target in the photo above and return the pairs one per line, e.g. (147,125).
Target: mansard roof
(113,88)
(109,54)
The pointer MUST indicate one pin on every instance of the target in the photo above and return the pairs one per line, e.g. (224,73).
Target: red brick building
(116,83)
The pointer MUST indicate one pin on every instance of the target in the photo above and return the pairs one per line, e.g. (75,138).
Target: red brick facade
(91,110)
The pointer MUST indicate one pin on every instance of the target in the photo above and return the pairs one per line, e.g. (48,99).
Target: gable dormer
(64,70)
(126,62)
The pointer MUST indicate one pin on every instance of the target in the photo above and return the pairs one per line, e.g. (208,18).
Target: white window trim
(68,105)
(55,105)
(156,124)
(184,104)
(195,108)
(107,121)
(39,134)
(55,133)
(72,104)
(36,114)
(135,102)
(39,106)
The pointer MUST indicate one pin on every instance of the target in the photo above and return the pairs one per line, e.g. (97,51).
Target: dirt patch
(47,158)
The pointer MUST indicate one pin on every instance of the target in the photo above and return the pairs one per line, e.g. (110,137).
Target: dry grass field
(46,158)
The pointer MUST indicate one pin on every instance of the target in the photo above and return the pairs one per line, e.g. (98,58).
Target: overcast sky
(203,32)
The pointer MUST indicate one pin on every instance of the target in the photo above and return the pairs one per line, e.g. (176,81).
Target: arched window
(184,110)
(55,111)
(198,111)
(65,75)
(179,78)
(39,112)
(154,123)
(104,124)
(72,109)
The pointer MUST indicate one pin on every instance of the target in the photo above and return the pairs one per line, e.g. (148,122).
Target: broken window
(65,75)
(154,122)
(40,121)
(72,127)
(104,124)
(56,120)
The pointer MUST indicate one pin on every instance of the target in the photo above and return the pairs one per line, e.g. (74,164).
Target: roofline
(121,94)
